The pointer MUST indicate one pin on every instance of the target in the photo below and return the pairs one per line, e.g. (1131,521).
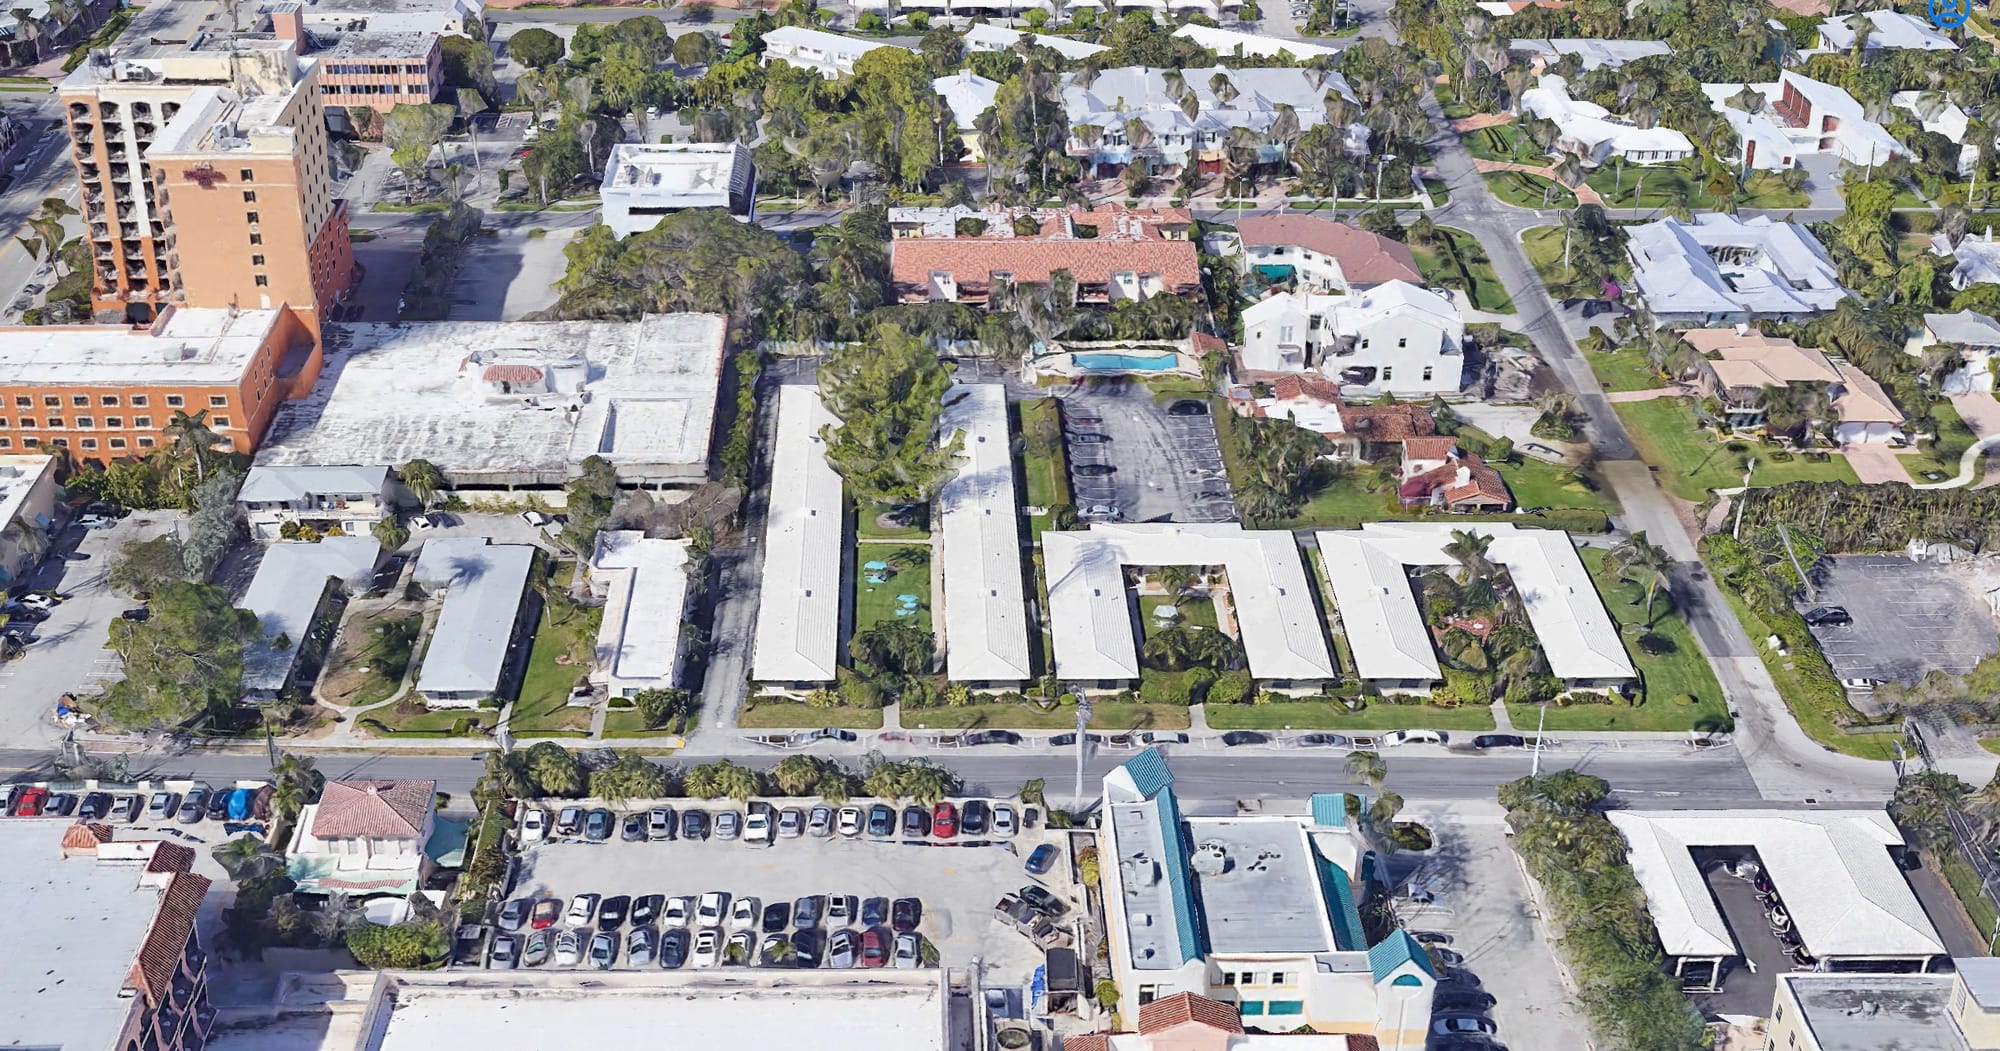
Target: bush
(1231,687)
(401,947)
(1107,994)
(969,226)
(1533,690)
(858,692)
(1182,688)
(1575,697)
(1463,688)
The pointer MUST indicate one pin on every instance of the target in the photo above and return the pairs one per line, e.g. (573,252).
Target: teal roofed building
(1259,912)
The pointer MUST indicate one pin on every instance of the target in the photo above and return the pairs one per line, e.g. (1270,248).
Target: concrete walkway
(1584,194)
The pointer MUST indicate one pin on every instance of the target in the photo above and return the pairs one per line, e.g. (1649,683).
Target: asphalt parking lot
(958,884)
(1163,467)
(1909,617)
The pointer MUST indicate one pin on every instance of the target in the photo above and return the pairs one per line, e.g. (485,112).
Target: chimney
(1464,475)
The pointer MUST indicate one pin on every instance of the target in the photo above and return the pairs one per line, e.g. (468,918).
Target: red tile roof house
(1324,255)
(1187,1022)
(956,255)
(1359,433)
(364,837)
(1437,474)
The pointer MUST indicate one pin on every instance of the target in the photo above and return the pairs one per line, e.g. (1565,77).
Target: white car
(1396,737)
(757,827)
(849,821)
(39,602)
(676,912)
(97,521)
(534,825)
(906,951)
(581,909)
(743,914)
(709,912)
(1004,825)
(569,948)
(819,823)
(536,518)
(707,948)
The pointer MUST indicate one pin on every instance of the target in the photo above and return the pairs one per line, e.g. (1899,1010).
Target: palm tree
(1469,550)
(1176,580)
(796,774)
(1644,563)
(245,857)
(1367,768)
(738,782)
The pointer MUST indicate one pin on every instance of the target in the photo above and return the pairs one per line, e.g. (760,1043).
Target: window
(256,239)
(52,400)
(1147,994)
(27,423)
(90,443)
(249,197)
(256,260)
(114,421)
(6,443)
(85,421)
(23,402)
(1388,373)
(31,442)
(246,175)
(1285,333)
(1402,342)
(1288,1007)
(251,217)
(175,401)
(108,399)
(263,281)
(217,401)
(1427,373)
(80,400)
(145,443)
(55,422)
(1250,1008)
(1281,978)
(142,421)
(1228,978)
(138,401)
(117,443)
(219,421)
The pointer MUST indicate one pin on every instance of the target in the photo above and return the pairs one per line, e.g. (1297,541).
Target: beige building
(1909,1012)
(182,129)
(1744,367)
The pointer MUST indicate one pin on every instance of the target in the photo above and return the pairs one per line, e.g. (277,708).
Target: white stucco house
(1395,338)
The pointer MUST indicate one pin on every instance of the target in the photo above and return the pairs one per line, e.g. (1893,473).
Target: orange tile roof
(1087,1042)
(1182,1008)
(1483,484)
(375,809)
(1429,448)
(171,857)
(1307,388)
(83,839)
(1387,423)
(167,939)
(973,262)
(1365,258)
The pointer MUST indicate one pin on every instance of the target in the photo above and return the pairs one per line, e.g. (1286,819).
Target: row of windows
(366,68)
(1253,1008)
(88,444)
(378,89)
(116,423)
(138,401)
(1251,978)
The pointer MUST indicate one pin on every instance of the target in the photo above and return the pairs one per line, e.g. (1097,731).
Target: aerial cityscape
(1000,525)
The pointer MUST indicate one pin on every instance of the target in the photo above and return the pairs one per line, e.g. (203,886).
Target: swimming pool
(1125,362)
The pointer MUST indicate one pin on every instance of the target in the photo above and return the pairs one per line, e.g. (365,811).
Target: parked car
(743,913)
(639,947)
(61,804)
(96,521)
(1828,616)
(603,950)
(728,824)
(973,817)
(757,825)
(547,912)
(660,823)
(1499,741)
(537,518)
(506,953)
(1042,859)
(677,911)
(1861,684)
(1004,826)
(39,601)
(534,825)
(1041,900)
(633,829)
(1456,1024)
(597,825)
(1451,998)
(646,909)
(986,737)
(710,911)
(537,951)
(1237,738)
(874,912)
(791,823)
(193,805)
(136,614)
(881,821)
(808,947)
(1396,737)
(93,806)
(694,823)
(776,951)
(916,821)
(944,821)
(1089,438)
(737,952)
(906,951)
(1106,511)
(160,808)
(1094,470)
(807,911)
(905,914)
(611,915)
(569,821)
(1321,740)
(673,949)
(707,948)
(569,948)
(125,808)
(874,947)
(1188,407)
(581,909)
(514,914)
(819,823)
(840,949)
(842,909)
(777,917)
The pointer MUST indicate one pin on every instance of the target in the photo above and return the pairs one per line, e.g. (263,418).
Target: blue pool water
(1130,362)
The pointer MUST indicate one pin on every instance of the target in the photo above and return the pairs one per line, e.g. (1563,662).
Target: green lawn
(867,528)
(411,717)
(1113,716)
(763,714)
(1343,501)
(1523,190)
(1627,368)
(1679,672)
(1536,483)
(1533,483)
(1991,744)
(372,675)
(1768,190)
(1193,611)
(1941,456)
(1044,465)
(909,574)
(1460,262)
(1543,245)
(542,705)
(1325,715)
(1498,143)
(1817,723)
(1660,184)
(627,722)
(1691,462)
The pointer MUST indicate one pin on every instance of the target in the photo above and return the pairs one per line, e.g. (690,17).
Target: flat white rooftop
(187,346)
(798,610)
(1386,629)
(639,639)
(517,402)
(74,932)
(18,477)
(285,594)
(1279,624)
(985,615)
(483,583)
(1832,870)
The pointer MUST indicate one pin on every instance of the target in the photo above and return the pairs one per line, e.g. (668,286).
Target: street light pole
(1540,722)
(1082,742)
(1736,531)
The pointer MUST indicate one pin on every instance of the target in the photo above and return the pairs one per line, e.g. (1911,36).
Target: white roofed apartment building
(1268,594)
(1589,131)
(473,643)
(346,500)
(1260,913)
(645,182)
(1101,111)
(1394,338)
(1593,54)
(1834,874)
(829,54)
(985,36)
(799,606)
(1719,269)
(1234,43)
(288,594)
(985,611)
(1798,117)
(1323,255)
(968,95)
(643,584)
(1887,31)
(27,513)
(1369,572)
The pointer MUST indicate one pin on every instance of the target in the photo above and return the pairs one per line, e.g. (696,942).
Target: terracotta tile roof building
(374,809)
(1462,482)
(957,255)
(1359,432)
(1182,1008)
(1320,252)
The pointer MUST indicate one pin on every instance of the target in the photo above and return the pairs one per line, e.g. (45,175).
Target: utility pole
(1736,531)
(1082,742)
(1540,722)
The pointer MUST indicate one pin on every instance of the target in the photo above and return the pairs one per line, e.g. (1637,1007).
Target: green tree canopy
(888,395)
(183,661)
(400,947)
(144,566)
(630,776)
(699,260)
(535,47)
(410,131)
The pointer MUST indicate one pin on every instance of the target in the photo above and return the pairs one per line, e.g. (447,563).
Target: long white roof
(985,615)
(639,639)
(285,594)
(1226,42)
(1386,629)
(1773,267)
(988,37)
(1832,870)
(1283,634)
(798,613)
(483,583)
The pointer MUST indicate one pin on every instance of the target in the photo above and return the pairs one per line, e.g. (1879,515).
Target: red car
(547,912)
(874,947)
(944,821)
(31,802)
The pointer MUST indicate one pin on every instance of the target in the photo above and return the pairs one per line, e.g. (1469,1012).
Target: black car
(809,910)
(905,914)
(1039,899)
(1828,616)
(646,908)
(94,806)
(136,613)
(874,912)
(1459,999)
(60,805)
(1242,737)
(1094,470)
(809,945)
(694,823)
(218,806)
(611,915)
(1090,439)
(777,917)
(1187,407)
(1041,859)
(673,947)
(597,825)
(916,821)
(979,737)
(1499,741)
(634,828)
(973,818)
(881,820)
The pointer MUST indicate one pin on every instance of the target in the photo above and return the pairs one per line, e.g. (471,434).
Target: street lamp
(1082,739)
(1381,164)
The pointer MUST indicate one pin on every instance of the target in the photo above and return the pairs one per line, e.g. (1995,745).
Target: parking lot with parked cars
(1133,459)
(781,884)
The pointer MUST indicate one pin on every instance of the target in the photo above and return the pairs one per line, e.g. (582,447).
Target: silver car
(819,823)
(728,824)
(604,950)
(506,953)
(791,823)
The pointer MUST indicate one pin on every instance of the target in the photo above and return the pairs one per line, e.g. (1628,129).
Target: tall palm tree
(1644,563)
(1176,580)
(1469,551)
(191,434)
(1367,768)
